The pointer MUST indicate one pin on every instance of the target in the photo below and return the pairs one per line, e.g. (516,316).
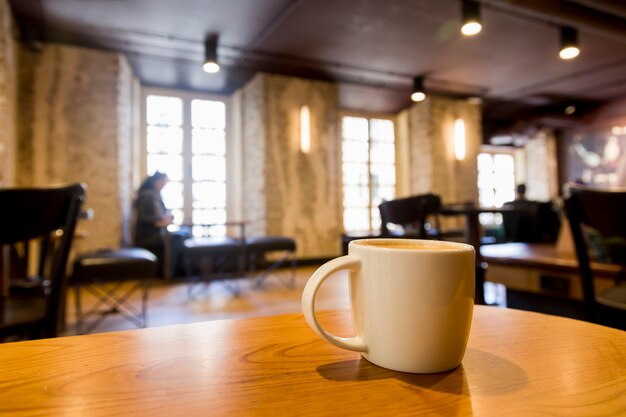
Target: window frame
(369,117)
(186,98)
(497,150)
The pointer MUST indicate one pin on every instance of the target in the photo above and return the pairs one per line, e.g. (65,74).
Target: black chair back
(603,213)
(46,216)
(411,213)
(531,221)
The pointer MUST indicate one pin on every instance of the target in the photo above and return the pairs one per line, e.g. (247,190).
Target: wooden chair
(41,223)
(597,219)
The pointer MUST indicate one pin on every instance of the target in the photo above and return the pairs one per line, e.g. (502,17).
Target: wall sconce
(210,55)
(569,43)
(305,129)
(471,18)
(459,139)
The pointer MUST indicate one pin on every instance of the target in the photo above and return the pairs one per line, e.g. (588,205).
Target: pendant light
(471,18)
(210,55)
(418,89)
(569,43)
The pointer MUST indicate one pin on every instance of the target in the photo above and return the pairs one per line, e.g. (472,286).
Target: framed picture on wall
(597,156)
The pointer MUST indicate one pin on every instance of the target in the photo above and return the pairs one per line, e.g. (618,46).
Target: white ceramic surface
(412,309)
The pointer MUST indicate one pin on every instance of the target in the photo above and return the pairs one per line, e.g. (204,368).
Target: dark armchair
(598,223)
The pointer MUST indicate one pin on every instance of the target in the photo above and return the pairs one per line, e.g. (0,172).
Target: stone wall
(287,192)
(541,167)
(76,126)
(253,131)
(8,101)
(432,165)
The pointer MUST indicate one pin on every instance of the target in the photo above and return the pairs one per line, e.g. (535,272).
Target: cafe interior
(288,129)
(306,125)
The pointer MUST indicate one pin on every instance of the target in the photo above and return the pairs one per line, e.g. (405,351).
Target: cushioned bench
(103,274)
(212,258)
(257,249)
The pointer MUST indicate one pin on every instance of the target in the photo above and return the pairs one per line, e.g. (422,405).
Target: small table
(517,363)
(472,236)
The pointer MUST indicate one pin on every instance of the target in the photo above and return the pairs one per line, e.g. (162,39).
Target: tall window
(185,138)
(369,172)
(496,182)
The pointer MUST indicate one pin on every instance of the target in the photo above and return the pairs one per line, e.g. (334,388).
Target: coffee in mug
(412,302)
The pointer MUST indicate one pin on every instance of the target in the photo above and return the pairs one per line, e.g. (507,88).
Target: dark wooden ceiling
(372,48)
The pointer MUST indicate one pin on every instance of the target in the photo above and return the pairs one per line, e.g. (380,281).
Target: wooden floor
(169,303)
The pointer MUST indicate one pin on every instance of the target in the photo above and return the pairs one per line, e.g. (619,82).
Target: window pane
(485,162)
(209,194)
(356,219)
(381,130)
(355,174)
(206,231)
(199,231)
(355,128)
(207,167)
(383,174)
(165,139)
(172,195)
(376,218)
(207,113)
(164,111)
(503,164)
(204,216)
(486,197)
(380,193)
(208,141)
(353,151)
(172,165)
(383,152)
(354,196)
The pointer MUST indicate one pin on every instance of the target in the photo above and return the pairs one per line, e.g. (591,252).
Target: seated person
(151,221)
(531,221)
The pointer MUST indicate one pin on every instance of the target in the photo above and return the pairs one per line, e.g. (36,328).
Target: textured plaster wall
(8,100)
(287,192)
(76,126)
(431,140)
(253,130)
(541,166)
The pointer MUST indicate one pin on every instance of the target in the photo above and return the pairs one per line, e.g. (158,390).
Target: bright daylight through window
(369,172)
(185,138)
(496,183)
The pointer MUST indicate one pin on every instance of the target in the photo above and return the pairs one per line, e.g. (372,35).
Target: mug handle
(348,262)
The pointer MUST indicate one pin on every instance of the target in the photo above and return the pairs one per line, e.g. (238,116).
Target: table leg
(472,227)
(5,274)
(479,294)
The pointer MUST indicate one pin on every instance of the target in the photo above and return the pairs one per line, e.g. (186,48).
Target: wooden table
(541,255)
(517,363)
(541,267)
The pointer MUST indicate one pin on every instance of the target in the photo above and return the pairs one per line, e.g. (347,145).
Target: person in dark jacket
(151,221)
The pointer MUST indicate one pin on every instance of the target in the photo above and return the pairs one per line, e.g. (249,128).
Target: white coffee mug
(412,302)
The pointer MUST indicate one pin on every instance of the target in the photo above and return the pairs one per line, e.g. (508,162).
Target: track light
(418,89)
(471,18)
(569,43)
(210,55)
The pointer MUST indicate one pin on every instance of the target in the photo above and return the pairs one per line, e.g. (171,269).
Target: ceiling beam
(614,7)
(563,12)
